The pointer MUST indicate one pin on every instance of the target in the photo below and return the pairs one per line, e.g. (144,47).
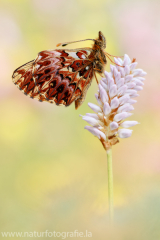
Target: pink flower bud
(113,91)
(96,132)
(103,94)
(127,124)
(124,133)
(114,103)
(133,65)
(113,125)
(106,108)
(91,121)
(121,116)
(94,107)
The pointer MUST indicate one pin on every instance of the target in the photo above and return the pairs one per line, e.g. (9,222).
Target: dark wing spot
(47,71)
(73,85)
(62,64)
(66,96)
(53,84)
(64,54)
(61,75)
(75,65)
(46,63)
(39,75)
(82,72)
(60,88)
(62,59)
(69,78)
(48,77)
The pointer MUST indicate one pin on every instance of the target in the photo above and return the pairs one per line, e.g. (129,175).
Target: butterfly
(62,76)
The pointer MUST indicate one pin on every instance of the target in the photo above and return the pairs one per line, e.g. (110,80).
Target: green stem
(110,184)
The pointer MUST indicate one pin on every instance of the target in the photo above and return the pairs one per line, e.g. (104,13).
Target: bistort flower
(115,100)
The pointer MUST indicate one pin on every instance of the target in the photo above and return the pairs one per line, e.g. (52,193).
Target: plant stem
(110,184)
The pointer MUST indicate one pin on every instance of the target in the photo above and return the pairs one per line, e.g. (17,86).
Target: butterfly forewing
(57,76)
(22,77)
(62,76)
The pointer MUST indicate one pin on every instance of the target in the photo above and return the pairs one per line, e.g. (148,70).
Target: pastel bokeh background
(53,173)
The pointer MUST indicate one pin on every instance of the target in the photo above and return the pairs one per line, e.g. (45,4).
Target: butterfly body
(62,76)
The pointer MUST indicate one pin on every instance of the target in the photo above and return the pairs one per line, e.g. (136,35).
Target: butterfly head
(101,41)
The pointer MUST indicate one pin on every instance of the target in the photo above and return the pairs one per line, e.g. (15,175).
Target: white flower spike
(115,101)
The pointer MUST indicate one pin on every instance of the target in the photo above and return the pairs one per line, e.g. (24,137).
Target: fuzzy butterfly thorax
(62,76)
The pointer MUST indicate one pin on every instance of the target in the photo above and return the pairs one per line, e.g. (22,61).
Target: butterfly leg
(95,77)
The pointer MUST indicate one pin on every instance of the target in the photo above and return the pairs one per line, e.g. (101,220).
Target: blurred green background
(53,173)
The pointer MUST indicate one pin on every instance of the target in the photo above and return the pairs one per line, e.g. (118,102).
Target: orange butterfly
(62,76)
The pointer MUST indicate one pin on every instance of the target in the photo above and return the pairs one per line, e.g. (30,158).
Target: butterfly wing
(57,76)
(22,77)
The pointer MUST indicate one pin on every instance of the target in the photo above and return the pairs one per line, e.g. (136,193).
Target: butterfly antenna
(111,59)
(66,43)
